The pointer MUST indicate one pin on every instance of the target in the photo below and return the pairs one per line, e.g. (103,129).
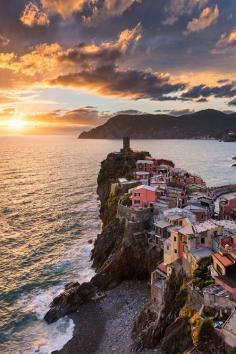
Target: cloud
(7,113)
(4,40)
(91,66)
(34,16)
(109,8)
(181,112)
(65,8)
(6,99)
(226,43)
(233,102)
(82,116)
(129,111)
(203,91)
(207,17)
(111,81)
(39,14)
(177,8)
(106,52)
(202,100)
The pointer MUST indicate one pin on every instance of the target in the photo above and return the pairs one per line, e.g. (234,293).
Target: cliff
(120,252)
(162,328)
(204,124)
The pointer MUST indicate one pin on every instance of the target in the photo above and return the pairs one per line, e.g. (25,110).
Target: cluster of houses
(184,224)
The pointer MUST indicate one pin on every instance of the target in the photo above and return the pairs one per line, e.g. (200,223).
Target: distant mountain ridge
(204,124)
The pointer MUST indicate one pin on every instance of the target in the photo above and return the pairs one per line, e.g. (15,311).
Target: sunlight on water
(49,211)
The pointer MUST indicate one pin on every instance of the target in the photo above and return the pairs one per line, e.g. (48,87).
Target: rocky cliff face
(120,252)
(151,328)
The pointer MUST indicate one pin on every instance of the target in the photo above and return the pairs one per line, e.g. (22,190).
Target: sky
(75,63)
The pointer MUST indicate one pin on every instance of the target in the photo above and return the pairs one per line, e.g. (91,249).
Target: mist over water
(49,211)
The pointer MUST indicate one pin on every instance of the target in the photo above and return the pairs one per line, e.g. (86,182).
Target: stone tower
(126,143)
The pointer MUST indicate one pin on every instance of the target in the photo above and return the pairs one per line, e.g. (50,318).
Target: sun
(16,124)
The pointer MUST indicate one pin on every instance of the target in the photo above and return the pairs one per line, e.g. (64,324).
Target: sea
(48,215)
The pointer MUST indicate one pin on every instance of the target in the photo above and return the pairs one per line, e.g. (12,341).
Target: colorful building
(143,196)
(224,270)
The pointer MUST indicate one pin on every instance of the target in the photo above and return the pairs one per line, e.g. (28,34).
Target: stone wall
(195,298)
(221,302)
(135,215)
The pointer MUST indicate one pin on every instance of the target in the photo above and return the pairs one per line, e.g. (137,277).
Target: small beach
(105,327)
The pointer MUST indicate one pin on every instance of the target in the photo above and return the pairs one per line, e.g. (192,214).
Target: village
(195,236)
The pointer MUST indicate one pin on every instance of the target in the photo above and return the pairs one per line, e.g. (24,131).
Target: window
(137,202)
(202,240)
(175,238)
(175,251)
(137,194)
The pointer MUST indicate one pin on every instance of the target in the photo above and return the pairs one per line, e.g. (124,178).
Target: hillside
(204,124)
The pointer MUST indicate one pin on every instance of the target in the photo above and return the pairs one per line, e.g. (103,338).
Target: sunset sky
(67,63)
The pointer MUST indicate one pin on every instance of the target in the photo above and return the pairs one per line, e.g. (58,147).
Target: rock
(234,158)
(234,165)
(177,338)
(70,300)
(90,241)
(71,285)
(150,326)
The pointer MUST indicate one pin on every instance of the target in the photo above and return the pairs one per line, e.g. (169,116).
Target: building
(197,241)
(228,330)
(143,196)
(227,209)
(200,212)
(144,165)
(159,181)
(224,270)
(143,177)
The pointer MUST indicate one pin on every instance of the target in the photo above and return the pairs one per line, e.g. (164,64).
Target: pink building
(143,196)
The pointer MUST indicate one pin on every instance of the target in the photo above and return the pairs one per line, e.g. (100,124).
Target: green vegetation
(207,340)
(126,200)
(202,276)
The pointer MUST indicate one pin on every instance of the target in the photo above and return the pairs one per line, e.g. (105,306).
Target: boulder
(69,301)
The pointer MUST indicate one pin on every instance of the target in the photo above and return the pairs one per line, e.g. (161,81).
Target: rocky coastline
(113,312)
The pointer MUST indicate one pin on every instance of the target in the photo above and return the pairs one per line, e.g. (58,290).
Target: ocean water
(49,212)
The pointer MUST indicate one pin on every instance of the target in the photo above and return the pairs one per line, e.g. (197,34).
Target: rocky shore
(105,327)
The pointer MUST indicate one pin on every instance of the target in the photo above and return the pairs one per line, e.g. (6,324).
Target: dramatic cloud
(110,81)
(207,17)
(226,43)
(4,40)
(106,52)
(33,15)
(39,13)
(92,67)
